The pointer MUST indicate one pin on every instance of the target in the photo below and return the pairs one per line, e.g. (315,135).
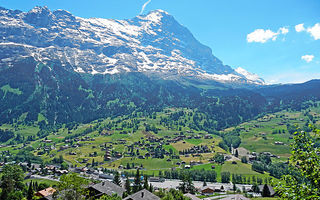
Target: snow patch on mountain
(250,76)
(154,43)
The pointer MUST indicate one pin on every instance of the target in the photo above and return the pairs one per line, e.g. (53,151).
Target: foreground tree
(30,192)
(127,186)
(113,197)
(12,182)
(71,187)
(305,160)
(116,179)
(137,182)
(172,194)
(265,191)
(145,183)
(187,185)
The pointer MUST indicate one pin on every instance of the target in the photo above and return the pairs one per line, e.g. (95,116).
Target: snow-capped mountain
(152,43)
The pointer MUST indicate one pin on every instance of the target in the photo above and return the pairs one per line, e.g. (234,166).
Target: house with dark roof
(142,195)
(207,190)
(106,187)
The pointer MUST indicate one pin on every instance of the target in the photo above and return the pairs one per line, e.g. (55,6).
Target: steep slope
(153,43)
(30,88)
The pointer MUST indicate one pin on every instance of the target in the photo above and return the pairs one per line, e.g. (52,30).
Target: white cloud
(144,6)
(307,58)
(315,31)
(284,30)
(262,36)
(299,28)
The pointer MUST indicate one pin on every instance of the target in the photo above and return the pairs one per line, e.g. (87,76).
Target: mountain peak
(39,16)
(155,16)
(40,9)
(151,43)
(159,11)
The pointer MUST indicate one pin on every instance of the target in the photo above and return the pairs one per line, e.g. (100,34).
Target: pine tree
(116,179)
(234,187)
(36,186)
(266,191)
(204,183)
(30,191)
(145,183)
(150,188)
(190,187)
(137,182)
(127,186)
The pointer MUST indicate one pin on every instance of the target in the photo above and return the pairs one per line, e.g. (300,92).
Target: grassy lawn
(194,141)
(239,168)
(181,145)
(243,169)
(49,182)
(148,164)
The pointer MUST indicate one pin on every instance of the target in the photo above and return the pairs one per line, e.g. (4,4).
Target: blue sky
(260,36)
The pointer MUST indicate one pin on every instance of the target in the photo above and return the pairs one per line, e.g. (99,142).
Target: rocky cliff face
(152,43)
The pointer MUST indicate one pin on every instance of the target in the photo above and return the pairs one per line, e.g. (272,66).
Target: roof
(142,195)
(46,192)
(108,188)
(191,196)
(207,188)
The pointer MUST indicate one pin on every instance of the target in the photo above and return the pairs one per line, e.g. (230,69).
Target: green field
(256,136)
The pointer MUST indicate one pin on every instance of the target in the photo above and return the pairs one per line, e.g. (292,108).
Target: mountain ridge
(155,42)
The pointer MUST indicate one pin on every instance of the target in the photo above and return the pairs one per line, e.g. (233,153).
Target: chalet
(154,179)
(207,191)
(208,137)
(278,143)
(197,137)
(46,194)
(85,160)
(252,157)
(64,147)
(187,166)
(118,155)
(106,187)
(142,195)
(106,176)
(61,172)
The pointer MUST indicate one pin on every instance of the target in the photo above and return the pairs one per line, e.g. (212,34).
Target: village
(102,183)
